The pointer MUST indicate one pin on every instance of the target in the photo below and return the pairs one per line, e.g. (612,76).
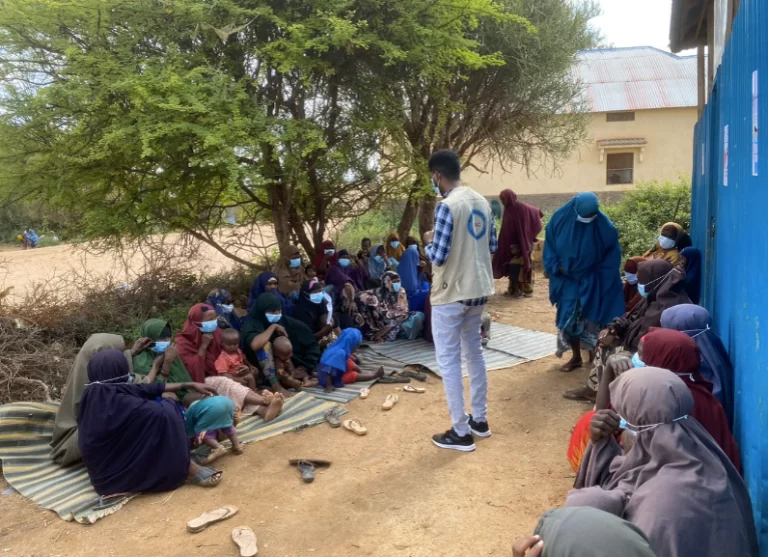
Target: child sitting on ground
(337,368)
(289,377)
(208,417)
(232,363)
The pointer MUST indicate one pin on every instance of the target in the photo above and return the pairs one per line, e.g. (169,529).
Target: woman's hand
(202,388)
(605,423)
(207,340)
(279,329)
(615,366)
(528,547)
(140,345)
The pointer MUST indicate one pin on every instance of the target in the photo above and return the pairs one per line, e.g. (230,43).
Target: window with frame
(620,116)
(620,168)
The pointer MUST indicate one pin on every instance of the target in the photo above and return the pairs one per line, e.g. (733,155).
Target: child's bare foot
(275,407)
(310,383)
(267,396)
(236,448)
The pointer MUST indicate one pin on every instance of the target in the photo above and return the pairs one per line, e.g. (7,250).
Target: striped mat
(25,434)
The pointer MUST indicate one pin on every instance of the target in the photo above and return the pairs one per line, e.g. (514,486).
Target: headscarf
(64,444)
(108,366)
(520,225)
(337,354)
(665,287)
(306,310)
(716,366)
(259,287)
(306,350)
(188,344)
(338,276)
(587,532)
(209,414)
(227,320)
(590,256)
(394,253)
(328,244)
(142,362)
(677,352)
(376,269)
(692,273)
(289,279)
(408,269)
(631,295)
(671,230)
(675,483)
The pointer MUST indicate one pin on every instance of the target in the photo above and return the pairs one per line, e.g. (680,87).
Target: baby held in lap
(289,376)
(232,363)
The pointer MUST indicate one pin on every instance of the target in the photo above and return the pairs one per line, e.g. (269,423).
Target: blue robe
(416,289)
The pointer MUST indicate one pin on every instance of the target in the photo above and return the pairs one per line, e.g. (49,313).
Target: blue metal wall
(730,224)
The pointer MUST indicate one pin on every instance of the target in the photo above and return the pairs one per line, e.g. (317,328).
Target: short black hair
(365,240)
(446,163)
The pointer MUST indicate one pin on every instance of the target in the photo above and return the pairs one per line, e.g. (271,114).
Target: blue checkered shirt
(440,247)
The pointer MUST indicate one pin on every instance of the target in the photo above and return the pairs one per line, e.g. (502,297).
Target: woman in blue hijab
(411,276)
(582,258)
(221,301)
(267,282)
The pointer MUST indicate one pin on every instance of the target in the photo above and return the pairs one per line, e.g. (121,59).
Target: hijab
(340,276)
(716,366)
(675,483)
(590,255)
(408,269)
(337,354)
(209,414)
(692,273)
(306,310)
(394,253)
(188,344)
(328,244)
(520,225)
(227,319)
(677,352)
(376,269)
(631,296)
(672,230)
(588,532)
(142,362)
(259,287)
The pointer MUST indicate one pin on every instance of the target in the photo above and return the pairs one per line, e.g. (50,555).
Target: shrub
(376,225)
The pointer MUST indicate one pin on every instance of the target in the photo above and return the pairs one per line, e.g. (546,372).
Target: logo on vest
(477,225)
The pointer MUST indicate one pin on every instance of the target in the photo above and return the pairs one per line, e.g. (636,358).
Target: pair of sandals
(243,536)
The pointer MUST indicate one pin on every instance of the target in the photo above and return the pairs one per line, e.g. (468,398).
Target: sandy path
(388,494)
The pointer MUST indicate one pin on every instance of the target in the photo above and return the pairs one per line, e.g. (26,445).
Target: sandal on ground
(206,477)
(570,366)
(307,470)
(365,393)
(394,379)
(418,376)
(584,394)
(332,417)
(355,426)
(245,540)
(211,517)
(412,389)
(315,462)
(390,402)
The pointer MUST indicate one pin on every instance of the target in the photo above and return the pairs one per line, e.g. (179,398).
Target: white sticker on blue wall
(725,155)
(754,123)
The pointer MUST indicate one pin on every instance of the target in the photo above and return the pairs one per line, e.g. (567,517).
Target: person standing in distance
(460,250)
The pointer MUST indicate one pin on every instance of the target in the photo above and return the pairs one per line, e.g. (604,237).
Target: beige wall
(667,155)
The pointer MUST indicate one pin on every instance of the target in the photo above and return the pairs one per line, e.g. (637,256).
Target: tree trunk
(280,219)
(427,214)
(410,212)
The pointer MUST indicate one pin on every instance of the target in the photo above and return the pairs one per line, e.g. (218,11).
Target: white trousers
(456,332)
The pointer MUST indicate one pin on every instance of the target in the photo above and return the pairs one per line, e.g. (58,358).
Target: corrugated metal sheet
(729,224)
(636,78)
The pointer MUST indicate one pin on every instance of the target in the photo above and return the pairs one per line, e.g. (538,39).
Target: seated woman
(378,264)
(290,271)
(666,245)
(662,287)
(156,335)
(311,309)
(221,301)
(583,532)
(678,353)
(411,277)
(631,296)
(267,282)
(674,482)
(326,256)
(383,314)
(716,366)
(65,450)
(346,270)
(132,439)
(394,249)
(264,323)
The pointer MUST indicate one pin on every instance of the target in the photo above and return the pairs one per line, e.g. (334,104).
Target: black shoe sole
(462,448)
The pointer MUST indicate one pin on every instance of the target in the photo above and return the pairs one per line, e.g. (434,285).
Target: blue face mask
(161,346)
(436,188)
(316,297)
(227,308)
(631,278)
(295,262)
(666,243)
(395,244)
(641,290)
(636,361)
(343,262)
(414,247)
(379,259)
(209,326)
(274,317)
(585,220)
(329,251)
(396,286)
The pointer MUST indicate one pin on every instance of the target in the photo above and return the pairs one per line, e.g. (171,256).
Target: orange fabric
(229,363)
(351,375)
(579,440)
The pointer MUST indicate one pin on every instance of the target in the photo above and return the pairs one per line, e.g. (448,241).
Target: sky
(635,23)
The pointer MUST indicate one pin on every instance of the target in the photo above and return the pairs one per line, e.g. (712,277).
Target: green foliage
(376,225)
(644,210)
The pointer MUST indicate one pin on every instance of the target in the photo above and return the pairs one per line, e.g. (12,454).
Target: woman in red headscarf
(519,226)
(631,295)
(199,342)
(326,256)
(678,353)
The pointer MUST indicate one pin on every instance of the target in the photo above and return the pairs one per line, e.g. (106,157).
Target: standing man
(460,249)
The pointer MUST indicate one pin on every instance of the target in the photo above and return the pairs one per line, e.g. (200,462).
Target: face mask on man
(274,317)
(295,262)
(316,297)
(343,262)
(161,346)
(436,187)
(228,308)
(209,326)
(395,244)
(666,243)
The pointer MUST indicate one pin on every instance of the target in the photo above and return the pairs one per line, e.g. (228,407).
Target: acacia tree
(524,109)
(171,114)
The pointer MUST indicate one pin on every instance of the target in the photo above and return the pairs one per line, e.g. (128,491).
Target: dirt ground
(391,493)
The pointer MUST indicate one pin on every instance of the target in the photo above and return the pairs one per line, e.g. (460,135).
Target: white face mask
(666,243)
(585,220)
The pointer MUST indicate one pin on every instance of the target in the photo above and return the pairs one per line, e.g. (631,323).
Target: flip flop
(307,470)
(365,393)
(245,539)
(317,463)
(390,402)
(355,426)
(211,517)
(412,389)
(332,417)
